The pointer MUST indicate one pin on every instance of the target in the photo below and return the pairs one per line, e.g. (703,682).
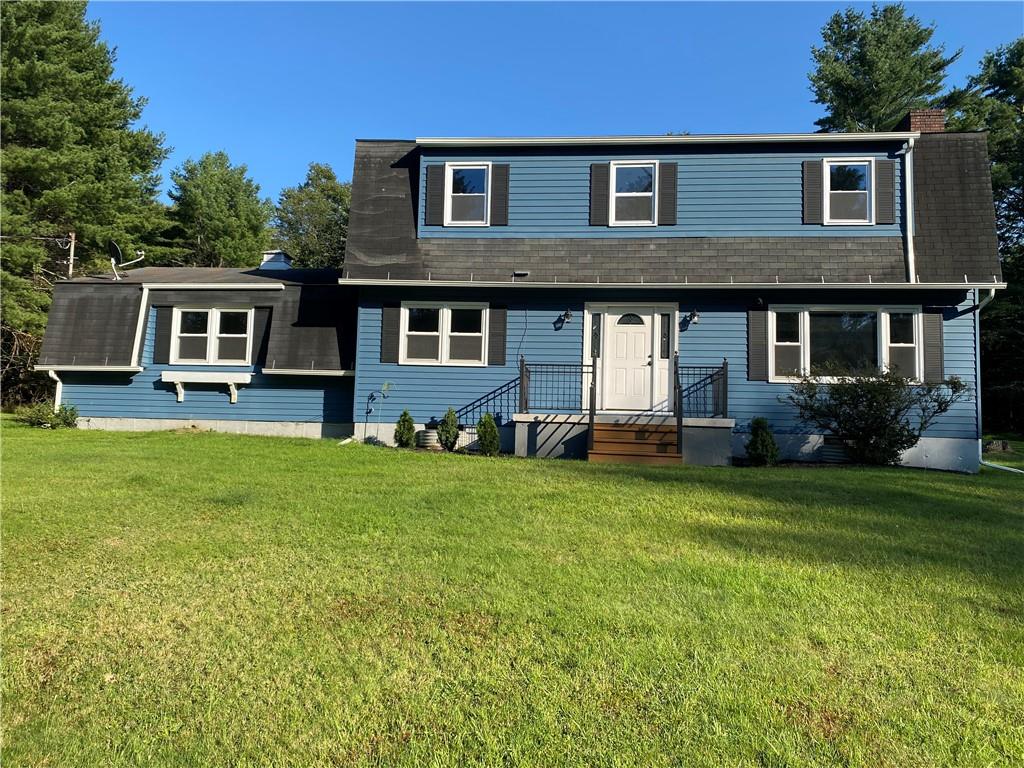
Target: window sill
(436,364)
(231,378)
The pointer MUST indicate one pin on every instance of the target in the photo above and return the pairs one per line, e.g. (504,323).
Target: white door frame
(655,309)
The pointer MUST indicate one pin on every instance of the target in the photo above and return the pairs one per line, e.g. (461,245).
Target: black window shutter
(162,336)
(885,192)
(390,329)
(757,345)
(934,362)
(260,335)
(496,335)
(499,195)
(668,174)
(434,209)
(813,192)
(599,194)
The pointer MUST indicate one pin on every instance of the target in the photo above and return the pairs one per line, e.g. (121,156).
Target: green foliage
(72,158)
(220,218)
(872,70)
(311,220)
(879,415)
(762,450)
(448,430)
(405,431)
(42,415)
(487,438)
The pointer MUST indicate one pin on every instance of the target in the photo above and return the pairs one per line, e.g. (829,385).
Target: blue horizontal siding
(268,398)
(721,333)
(722,194)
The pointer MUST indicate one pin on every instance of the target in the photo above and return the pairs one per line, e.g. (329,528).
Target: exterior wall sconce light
(566,316)
(693,317)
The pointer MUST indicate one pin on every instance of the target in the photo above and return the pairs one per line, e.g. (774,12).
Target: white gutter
(59,393)
(640,284)
(91,368)
(908,195)
(214,286)
(307,372)
(727,138)
(140,322)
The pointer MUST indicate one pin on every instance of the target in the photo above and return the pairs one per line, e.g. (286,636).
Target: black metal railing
(701,391)
(501,403)
(552,387)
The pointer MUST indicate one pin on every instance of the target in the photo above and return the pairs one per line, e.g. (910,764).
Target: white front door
(628,359)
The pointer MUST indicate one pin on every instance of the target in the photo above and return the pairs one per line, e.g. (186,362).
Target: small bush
(448,430)
(487,436)
(42,415)
(405,431)
(879,415)
(762,450)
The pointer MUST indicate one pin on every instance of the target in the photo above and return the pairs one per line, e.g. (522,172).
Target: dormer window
(632,194)
(467,193)
(849,188)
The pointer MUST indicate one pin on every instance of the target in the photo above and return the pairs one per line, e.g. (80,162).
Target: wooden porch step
(632,432)
(603,445)
(613,457)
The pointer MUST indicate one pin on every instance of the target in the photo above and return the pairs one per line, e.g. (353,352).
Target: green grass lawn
(1012,458)
(209,600)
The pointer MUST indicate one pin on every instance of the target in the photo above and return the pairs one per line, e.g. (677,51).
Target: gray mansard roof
(955,228)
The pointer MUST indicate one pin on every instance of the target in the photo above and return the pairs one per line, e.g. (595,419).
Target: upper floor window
(632,194)
(211,336)
(467,194)
(849,191)
(844,341)
(452,333)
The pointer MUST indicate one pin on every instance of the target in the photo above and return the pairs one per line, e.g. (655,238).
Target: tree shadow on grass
(856,517)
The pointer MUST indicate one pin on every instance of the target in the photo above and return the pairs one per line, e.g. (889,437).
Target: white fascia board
(306,372)
(98,368)
(702,286)
(735,138)
(214,286)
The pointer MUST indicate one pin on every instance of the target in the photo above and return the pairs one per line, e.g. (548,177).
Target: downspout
(981,305)
(60,389)
(908,160)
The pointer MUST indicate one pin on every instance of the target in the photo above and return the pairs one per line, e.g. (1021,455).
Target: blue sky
(277,85)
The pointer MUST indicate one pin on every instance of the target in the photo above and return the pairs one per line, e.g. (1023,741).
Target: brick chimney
(924,120)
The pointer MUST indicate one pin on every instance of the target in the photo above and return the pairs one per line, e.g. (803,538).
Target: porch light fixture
(566,316)
(693,317)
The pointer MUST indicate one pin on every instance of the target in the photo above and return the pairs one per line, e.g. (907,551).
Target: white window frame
(212,334)
(612,194)
(881,339)
(444,332)
(449,168)
(827,164)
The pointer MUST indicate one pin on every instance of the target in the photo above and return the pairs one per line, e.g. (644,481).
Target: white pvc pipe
(60,389)
(1000,466)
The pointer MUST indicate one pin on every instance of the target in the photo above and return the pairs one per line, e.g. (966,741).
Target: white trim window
(849,188)
(448,333)
(847,340)
(633,193)
(211,336)
(467,194)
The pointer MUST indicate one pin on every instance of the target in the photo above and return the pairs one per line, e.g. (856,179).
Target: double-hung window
(844,341)
(849,191)
(633,187)
(211,336)
(453,333)
(467,194)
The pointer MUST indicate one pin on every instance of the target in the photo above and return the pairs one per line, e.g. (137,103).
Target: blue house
(618,298)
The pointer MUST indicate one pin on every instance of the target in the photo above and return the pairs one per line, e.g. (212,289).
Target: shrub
(405,431)
(487,436)
(878,415)
(448,430)
(43,415)
(762,450)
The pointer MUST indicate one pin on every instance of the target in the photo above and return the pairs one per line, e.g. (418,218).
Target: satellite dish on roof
(116,259)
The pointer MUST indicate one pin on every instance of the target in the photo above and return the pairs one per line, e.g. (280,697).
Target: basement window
(467,194)
(211,336)
(453,333)
(848,191)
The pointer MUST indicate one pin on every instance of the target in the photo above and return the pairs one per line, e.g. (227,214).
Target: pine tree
(72,157)
(872,70)
(311,220)
(220,218)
